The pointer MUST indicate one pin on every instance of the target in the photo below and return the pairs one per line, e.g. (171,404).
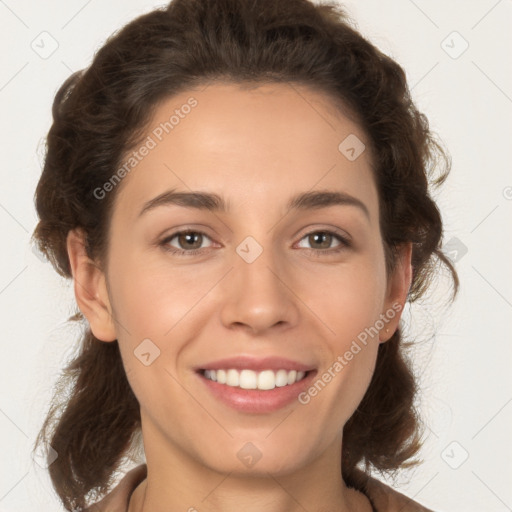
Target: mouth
(250,379)
(255,392)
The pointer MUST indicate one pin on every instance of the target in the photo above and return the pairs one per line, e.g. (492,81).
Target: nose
(259,296)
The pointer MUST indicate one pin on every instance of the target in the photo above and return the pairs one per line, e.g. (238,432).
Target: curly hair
(102,111)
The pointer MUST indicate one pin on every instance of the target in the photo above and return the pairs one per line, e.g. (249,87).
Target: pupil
(186,238)
(324,236)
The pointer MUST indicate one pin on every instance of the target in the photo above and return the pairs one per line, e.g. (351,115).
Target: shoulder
(387,499)
(118,499)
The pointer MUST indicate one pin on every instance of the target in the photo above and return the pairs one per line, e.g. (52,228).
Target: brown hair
(100,112)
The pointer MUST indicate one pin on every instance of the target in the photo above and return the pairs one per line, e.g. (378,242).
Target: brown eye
(320,239)
(190,240)
(324,242)
(185,242)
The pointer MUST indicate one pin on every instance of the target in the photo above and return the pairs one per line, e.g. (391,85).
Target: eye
(189,242)
(321,242)
(185,242)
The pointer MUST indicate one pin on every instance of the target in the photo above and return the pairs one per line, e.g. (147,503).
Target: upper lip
(256,364)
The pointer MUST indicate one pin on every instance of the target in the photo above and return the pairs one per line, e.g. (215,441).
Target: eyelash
(344,243)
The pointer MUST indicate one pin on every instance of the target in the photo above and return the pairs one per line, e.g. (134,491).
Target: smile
(250,379)
(256,392)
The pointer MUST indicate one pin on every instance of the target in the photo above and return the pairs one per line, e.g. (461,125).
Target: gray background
(455,55)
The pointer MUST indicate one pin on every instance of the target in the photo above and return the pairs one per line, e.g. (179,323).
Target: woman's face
(256,280)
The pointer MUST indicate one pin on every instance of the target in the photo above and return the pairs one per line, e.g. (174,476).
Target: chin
(257,458)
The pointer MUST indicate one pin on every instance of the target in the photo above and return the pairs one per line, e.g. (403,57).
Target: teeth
(249,379)
(232,378)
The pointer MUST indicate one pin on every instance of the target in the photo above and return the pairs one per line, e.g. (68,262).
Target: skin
(257,148)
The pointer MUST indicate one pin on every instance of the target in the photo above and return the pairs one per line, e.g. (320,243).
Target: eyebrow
(315,199)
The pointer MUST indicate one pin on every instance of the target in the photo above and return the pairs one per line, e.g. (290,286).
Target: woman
(240,192)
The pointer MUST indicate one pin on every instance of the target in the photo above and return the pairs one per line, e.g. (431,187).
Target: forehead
(262,143)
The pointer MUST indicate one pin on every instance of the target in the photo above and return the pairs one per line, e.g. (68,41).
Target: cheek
(347,298)
(165,306)
(349,307)
(149,298)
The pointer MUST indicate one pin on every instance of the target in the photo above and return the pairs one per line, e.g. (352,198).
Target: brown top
(385,499)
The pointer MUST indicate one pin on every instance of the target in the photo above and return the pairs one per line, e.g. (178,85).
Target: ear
(90,288)
(399,283)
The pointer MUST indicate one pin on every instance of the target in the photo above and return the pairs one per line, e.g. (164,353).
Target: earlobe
(398,287)
(90,288)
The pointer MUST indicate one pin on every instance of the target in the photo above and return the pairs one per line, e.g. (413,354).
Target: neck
(187,485)
(273,498)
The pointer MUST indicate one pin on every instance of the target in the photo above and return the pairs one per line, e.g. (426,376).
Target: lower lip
(255,400)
